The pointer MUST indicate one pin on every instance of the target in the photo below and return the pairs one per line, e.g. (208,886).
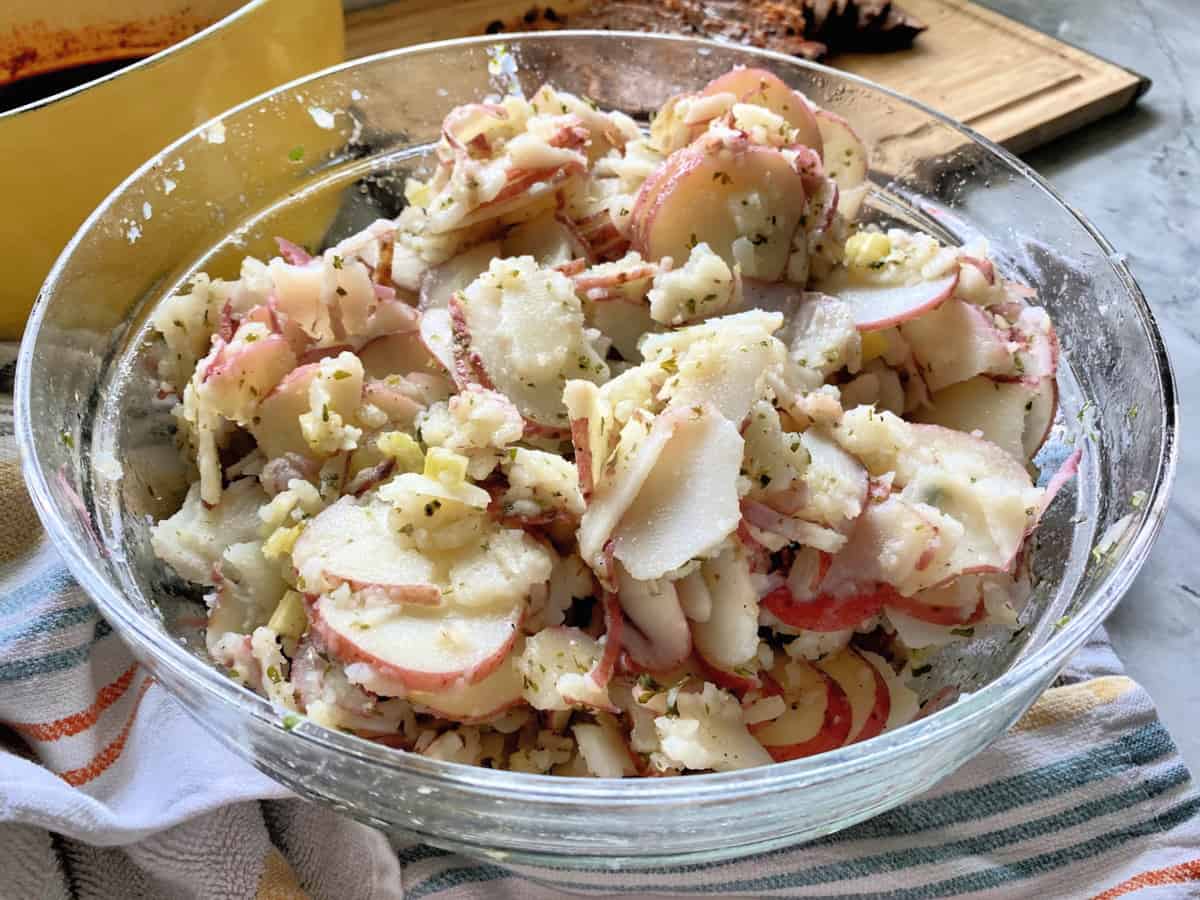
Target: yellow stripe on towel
(278,881)
(1070,701)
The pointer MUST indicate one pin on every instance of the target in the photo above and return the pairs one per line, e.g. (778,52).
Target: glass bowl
(319,158)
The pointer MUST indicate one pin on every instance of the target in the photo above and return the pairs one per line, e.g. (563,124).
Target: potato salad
(622,451)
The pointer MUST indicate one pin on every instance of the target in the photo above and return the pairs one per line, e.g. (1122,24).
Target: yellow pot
(59,156)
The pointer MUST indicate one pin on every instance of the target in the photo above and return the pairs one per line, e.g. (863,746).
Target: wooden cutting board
(1016,85)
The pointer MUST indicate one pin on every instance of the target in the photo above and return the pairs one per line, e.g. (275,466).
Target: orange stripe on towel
(1177,874)
(111,753)
(80,721)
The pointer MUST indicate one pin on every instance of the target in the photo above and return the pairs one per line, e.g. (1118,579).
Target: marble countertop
(1135,175)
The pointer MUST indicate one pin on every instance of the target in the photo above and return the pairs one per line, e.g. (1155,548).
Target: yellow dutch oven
(63,148)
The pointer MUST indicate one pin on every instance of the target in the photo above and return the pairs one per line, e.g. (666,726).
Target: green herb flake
(296,154)
(963,632)
(68,440)
(1062,623)
(290,721)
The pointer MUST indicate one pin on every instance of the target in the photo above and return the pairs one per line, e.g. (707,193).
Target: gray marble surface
(1135,175)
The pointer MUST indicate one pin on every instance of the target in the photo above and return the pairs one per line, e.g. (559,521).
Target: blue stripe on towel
(17,669)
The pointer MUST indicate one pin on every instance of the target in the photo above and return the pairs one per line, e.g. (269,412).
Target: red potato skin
(586,283)
(429,364)
(316,354)
(604,242)
(677,167)
(835,728)
(614,626)
(416,594)
(985,267)
(469,369)
(877,718)
(932,303)
(292,253)
(583,457)
(1068,470)
(371,477)
(473,720)
(824,613)
(347,651)
(936,615)
(731,681)
(1049,421)
(395,741)
(734,82)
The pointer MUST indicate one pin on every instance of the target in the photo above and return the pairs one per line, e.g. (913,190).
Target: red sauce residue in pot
(39,60)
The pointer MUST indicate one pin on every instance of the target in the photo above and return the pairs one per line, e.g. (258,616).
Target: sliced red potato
(524,187)
(904,705)
(998,410)
(393,400)
(822,334)
(687,503)
(845,155)
(398,353)
(422,648)
(558,670)
(619,478)
(656,634)
(879,306)
(478,702)
(695,598)
(437,334)
(796,531)
(298,295)
(728,640)
(353,544)
(623,324)
(709,733)
(836,482)
(824,612)
(763,88)
(466,127)
(551,239)
(744,200)
(919,633)
(893,542)
(604,750)
(773,296)
(601,237)
(520,329)
(722,362)
(276,426)
(588,433)
(865,689)
(818,716)
(442,282)
(943,605)
(1037,353)
(982,498)
(1039,416)
(237,375)
(955,342)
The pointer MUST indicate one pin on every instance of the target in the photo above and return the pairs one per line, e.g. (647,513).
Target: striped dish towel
(109,790)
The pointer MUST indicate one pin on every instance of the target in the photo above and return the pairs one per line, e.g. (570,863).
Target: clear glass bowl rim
(425,772)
